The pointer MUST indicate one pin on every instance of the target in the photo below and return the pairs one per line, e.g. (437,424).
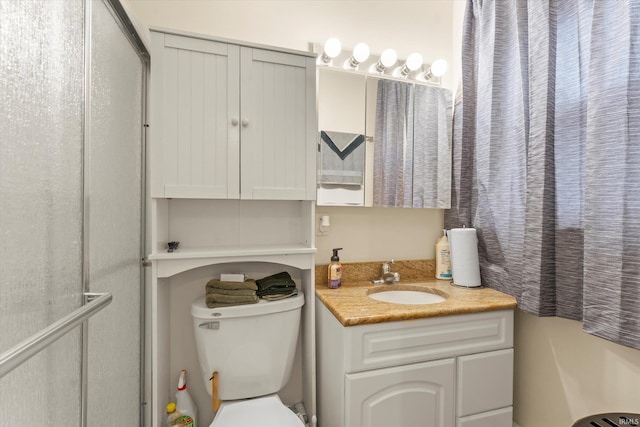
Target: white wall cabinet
(231,121)
(232,173)
(435,372)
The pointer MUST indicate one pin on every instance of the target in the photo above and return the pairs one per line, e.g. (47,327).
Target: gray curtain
(412,150)
(546,157)
(432,147)
(393,146)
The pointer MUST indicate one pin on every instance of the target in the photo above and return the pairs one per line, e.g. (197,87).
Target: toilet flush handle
(210,325)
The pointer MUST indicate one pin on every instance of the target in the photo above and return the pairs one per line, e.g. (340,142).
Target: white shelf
(171,263)
(183,253)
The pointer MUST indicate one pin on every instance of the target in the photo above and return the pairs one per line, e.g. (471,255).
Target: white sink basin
(405,296)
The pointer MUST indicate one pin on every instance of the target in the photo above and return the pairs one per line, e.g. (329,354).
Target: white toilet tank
(250,346)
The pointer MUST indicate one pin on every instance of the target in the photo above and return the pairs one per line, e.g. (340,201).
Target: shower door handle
(20,353)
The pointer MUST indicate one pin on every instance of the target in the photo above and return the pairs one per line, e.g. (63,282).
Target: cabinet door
(485,382)
(194,118)
(404,396)
(278,125)
(499,418)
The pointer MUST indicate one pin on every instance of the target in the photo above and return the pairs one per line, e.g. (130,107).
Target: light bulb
(414,61)
(388,58)
(332,47)
(439,67)
(361,52)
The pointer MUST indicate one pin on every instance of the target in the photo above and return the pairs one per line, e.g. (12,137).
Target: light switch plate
(320,232)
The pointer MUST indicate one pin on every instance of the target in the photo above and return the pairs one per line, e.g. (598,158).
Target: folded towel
(276,291)
(220,300)
(280,296)
(236,292)
(247,284)
(276,284)
(224,304)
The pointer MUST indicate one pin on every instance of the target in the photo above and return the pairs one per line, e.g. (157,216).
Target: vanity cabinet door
(485,382)
(420,394)
(498,418)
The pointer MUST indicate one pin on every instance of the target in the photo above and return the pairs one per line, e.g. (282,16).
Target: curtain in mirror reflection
(412,154)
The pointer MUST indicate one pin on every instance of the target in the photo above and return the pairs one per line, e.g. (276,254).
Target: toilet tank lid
(200,310)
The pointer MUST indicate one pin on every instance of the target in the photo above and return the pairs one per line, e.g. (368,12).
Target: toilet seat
(268,411)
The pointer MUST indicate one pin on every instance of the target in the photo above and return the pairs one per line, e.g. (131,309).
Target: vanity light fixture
(332,48)
(359,60)
(360,54)
(413,62)
(437,69)
(387,59)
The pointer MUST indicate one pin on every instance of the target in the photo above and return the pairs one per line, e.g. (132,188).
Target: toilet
(252,348)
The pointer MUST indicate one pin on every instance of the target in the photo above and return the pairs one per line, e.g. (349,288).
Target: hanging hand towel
(342,156)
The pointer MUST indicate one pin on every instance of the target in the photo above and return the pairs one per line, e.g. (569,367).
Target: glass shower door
(71,115)
(41,136)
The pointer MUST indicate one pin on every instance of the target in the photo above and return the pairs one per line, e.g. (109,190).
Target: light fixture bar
(359,60)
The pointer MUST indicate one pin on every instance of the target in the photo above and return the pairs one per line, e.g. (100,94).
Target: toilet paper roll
(465,268)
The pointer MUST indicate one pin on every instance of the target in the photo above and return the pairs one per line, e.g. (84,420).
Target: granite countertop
(351,305)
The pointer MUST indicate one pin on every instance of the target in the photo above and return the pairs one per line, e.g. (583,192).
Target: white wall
(379,234)
(406,26)
(561,373)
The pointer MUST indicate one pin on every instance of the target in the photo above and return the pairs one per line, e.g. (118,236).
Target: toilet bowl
(268,411)
(252,348)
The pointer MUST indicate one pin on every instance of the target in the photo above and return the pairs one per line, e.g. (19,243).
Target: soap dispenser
(335,270)
(443,258)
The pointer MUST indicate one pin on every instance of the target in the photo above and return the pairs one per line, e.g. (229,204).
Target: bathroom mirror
(383,142)
(343,169)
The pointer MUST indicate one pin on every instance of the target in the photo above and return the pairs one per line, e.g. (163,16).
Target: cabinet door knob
(245,122)
(234,121)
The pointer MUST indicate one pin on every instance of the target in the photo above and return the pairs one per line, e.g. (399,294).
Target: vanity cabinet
(435,372)
(231,120)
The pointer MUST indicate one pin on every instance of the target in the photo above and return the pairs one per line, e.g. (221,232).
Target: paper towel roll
(465,268)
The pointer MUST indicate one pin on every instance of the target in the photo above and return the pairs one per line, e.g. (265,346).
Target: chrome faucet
(388,276)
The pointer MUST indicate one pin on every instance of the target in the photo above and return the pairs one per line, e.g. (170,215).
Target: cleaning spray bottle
(176,418)
(335,270)
(184,402)
(443,258)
